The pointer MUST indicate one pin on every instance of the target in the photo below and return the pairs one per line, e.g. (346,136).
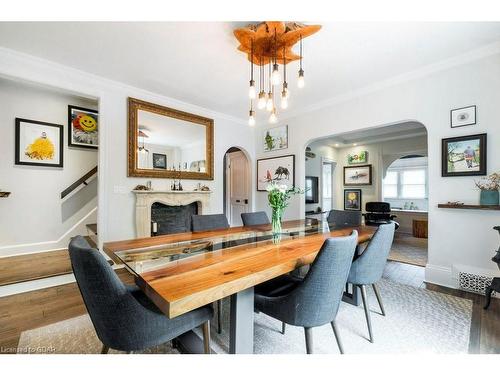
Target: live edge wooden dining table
(181,272)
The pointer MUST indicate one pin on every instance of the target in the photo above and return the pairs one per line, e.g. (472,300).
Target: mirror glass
(166,143)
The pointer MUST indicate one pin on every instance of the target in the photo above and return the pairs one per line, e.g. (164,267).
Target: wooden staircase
(28,267)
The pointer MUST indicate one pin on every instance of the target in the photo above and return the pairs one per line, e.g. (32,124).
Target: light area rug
(409,249)
(417,321)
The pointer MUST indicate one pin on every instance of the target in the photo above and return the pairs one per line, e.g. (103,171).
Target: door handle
(246,201)
(237,201)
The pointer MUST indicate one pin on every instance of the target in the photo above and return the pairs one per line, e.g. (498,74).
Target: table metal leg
(241,322)
(351,295)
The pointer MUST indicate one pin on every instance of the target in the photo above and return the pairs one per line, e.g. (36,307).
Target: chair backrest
(369,267)
(107,299)
(209,222)
(344,218)
(382,207)
(254,218)
(316,301)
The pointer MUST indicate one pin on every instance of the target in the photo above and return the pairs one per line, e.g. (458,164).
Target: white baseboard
(440,275)
(58,244)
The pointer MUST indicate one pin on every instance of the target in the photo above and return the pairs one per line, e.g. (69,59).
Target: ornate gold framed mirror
(168,143)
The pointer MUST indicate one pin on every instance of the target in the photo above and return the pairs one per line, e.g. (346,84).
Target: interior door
(237,189)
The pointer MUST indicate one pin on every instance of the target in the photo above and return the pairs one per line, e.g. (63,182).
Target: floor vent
(472,282)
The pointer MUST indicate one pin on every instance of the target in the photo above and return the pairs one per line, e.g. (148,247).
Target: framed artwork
(83,127)
(280,169)
(159,161)
(358,175)
(463,156)
(352,199)
(463,116)
(276,138)
(360,157)
(38,143)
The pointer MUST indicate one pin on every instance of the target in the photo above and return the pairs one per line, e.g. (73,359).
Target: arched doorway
(237,185)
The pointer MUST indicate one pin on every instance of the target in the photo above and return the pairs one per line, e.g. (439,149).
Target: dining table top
(181,272)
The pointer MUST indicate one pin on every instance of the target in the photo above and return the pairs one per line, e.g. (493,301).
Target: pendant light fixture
(275,78)
(262,94)
(142,149)
(261,43)
(270,98)
(284,92)
(300,80)
(251,91)
(251,115)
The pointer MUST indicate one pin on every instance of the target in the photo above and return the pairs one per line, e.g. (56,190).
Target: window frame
(399,185)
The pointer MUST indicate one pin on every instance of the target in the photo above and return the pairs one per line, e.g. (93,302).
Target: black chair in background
(339,218)
(202,223)
(254,218)
(124,318)
(378,213)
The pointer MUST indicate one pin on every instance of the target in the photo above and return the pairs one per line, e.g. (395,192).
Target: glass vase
(276,224)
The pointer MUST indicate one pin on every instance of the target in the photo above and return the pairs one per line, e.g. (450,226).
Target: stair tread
(36,266)
(92,227)
(27,267)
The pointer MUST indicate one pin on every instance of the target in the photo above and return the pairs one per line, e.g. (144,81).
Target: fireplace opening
(171,219)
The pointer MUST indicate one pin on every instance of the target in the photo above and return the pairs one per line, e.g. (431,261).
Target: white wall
(34,217)
(455,236)
(378,155)
(116,202)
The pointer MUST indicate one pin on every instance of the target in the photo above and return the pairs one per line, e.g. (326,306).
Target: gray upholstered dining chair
(211,222)
(368,268)
(254,218)
(123,317)
(341,218)
(315,300)
(201,223)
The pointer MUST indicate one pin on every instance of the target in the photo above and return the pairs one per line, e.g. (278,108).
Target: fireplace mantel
(146,198)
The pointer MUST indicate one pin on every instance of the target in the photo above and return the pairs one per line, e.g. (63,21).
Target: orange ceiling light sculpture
(267,45)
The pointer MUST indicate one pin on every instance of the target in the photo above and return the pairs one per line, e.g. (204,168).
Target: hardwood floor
(39,308)
(16,269)
(42,307)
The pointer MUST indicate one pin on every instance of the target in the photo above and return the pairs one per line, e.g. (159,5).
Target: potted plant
(489,187)
(279,197)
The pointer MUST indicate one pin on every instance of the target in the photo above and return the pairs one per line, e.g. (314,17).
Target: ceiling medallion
(269,44)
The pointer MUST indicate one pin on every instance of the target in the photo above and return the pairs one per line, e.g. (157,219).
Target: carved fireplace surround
(146,198)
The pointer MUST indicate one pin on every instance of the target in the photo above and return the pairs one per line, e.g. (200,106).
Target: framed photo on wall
(276,138)
(159,161)
(358,175)
(280,169)
(463,116)
(38,143)
(463,156)
(83,127)
(352,199)
(360,157)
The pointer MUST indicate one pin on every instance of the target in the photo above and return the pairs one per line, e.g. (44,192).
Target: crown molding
(476,54)
(13,58)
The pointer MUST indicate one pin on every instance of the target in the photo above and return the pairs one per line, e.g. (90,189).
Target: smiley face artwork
(83,127)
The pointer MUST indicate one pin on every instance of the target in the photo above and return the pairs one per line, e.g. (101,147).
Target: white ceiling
(198,62)
(379,134)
